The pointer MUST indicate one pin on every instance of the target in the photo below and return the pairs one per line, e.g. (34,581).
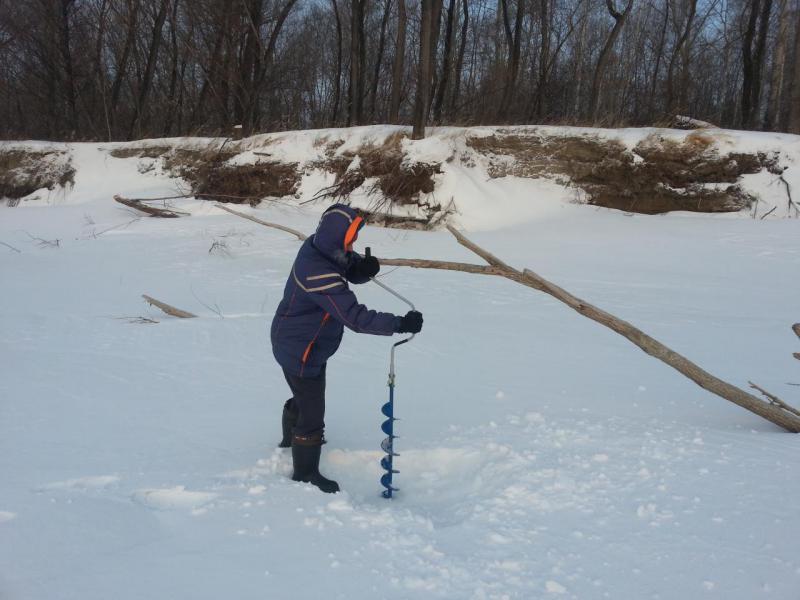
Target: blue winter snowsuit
(317,304)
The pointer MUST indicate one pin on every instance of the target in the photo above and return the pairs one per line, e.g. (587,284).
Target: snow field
(541,455)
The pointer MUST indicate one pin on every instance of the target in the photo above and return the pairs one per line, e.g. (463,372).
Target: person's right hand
(411,323)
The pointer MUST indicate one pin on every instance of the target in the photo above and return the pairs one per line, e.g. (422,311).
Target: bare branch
(170,310)
(302,237)
(774,399)
(775,413)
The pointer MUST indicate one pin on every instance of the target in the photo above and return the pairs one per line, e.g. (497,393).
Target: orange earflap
(352,233)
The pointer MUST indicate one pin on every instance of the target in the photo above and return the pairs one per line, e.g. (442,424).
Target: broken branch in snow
(302,237)
(792,203)
(768,213)
(138,204)
(774,399)
(170,310)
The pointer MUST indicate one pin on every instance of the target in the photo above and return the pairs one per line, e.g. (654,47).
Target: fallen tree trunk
(138,204)
(170,310)
(776,411)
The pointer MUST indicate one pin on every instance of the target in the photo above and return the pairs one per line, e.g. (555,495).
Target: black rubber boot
(288,421)
(305,456)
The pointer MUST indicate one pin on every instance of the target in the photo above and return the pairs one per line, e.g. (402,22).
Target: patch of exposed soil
(660,175)
(398,182)
(140,152)
(212,178)
(22,172)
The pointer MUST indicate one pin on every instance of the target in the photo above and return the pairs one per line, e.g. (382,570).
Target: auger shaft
(387,462)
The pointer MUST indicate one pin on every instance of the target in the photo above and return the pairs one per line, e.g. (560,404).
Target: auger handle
(367,254)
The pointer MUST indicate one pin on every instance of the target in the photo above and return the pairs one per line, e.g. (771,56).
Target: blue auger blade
(387,427)
(388,409)
(386,463)
(386,446)
(386,481)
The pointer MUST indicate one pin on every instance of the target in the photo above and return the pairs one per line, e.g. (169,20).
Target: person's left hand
(368,266)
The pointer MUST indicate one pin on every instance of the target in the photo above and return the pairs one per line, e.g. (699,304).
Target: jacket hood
(329,237)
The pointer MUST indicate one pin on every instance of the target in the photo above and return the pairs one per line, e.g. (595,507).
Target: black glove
(368,266)
(411,323)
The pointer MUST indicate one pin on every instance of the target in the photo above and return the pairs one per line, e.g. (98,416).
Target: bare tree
(398,63)
(355,96)
(425,71)
(774,105)
(605,54)
(794,110)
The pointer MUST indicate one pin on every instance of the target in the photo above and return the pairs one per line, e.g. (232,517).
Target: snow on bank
(541,455)
(464,189)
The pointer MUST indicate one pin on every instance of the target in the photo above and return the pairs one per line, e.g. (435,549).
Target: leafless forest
(127,69)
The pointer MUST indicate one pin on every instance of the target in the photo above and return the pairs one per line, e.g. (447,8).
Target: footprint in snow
(175,498)
(80,483)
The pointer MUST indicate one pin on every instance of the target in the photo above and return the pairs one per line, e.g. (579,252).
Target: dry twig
(17,250)
(42,243)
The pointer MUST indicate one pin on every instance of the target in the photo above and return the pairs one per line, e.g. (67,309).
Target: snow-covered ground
(541,454)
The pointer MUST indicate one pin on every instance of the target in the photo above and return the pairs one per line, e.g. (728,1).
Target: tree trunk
(760,59)
(398,64)
(446,60)
(266,60)
(373,93)
(337,86)
(425,69)
(513,39)
(462,46)
(753,59)
(544,57)
(605,55)
(211,70)
(794,107)
(355,100)
(173,76)
(772,119)
(69,73)
(244,92)
(674,107)
(122,65)
(152,57)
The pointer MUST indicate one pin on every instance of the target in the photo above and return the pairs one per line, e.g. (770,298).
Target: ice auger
(387,445)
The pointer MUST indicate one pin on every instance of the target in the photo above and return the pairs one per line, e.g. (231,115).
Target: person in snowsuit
(308,326)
